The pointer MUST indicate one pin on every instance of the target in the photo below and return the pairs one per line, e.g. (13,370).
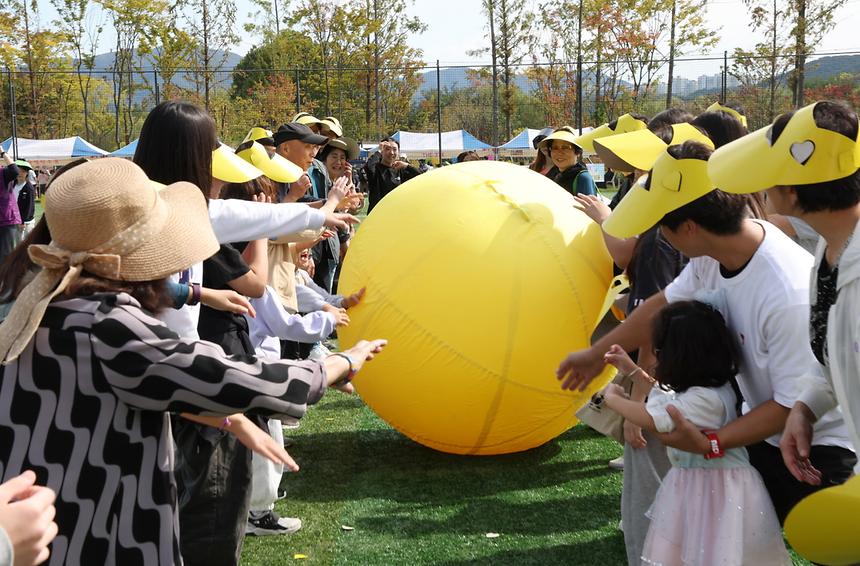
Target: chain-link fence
(107,107)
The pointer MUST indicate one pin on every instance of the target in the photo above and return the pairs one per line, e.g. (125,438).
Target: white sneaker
(271,524)
(617,463)
(319,352)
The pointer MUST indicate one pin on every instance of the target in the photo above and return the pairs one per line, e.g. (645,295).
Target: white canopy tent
(421,145)
(53,152)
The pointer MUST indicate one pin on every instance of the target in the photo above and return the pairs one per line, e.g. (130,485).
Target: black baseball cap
(296,131)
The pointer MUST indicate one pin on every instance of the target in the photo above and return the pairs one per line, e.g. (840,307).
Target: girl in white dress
(710,510)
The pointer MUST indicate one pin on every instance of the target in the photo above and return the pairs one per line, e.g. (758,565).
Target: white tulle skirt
(713,517)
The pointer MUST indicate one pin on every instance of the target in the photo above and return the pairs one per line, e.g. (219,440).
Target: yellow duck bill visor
(257,133)
(640,149)
(230,168)
(625,124)
(803,154)
(674,183)
(717,107)
(276,168)
(820,526)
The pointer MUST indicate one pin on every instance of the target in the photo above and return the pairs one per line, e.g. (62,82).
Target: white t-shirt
(766,306)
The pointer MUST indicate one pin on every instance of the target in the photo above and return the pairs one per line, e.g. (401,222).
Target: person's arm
(311,327)
(632,411)
(578,369)
(620,250)
(235,220)
(760,423)
(256,256)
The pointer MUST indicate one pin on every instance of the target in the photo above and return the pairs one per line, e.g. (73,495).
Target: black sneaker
(271,524)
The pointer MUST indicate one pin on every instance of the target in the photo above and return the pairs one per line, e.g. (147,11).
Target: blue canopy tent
(126,150)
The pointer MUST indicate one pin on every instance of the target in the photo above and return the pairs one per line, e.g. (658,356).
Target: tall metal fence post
(14,115)
(579,70)
(298,92)
(439,109)
(724,91)
(157,90)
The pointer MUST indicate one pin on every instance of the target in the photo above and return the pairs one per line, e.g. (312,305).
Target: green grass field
(555,504)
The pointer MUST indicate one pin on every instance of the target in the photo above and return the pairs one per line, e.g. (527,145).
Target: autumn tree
(82,29)
(508,29)
(211,25)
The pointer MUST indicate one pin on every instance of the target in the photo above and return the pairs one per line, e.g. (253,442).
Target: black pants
(835,464)
(213,477)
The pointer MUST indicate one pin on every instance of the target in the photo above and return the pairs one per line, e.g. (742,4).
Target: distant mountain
(105,61)
(832,66)
(454,78)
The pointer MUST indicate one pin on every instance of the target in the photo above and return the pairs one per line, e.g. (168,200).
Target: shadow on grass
(383,464)
(590,553)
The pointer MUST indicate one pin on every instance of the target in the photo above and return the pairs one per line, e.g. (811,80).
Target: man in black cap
(300,145)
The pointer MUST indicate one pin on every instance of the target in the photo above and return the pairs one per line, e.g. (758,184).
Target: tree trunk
(671,58)
(34,120)
(800,54)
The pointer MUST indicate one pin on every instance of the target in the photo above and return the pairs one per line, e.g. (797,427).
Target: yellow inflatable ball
(821,527)
(482,276)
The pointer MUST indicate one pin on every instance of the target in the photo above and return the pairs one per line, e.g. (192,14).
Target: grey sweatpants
(644,469)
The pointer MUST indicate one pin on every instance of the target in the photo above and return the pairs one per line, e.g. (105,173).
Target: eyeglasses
(561,148)
(304,255)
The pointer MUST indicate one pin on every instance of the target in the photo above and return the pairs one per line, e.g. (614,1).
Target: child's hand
(617,357)
(340,316)
(352,300)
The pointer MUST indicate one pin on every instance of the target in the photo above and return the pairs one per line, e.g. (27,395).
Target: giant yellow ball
(482,276)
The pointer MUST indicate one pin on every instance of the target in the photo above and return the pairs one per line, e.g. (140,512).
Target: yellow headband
(275,167)
(625,124)
(717,107)
(674,183)
(639,150)
(802,154)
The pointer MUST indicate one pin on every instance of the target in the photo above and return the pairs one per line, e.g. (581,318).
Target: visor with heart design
(802,154)
(819,527)
(639,150)
(674,183)
(626,123)
(717,107)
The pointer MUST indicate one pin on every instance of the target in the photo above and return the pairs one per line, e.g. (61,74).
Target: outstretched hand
(339,220)
(227,300)
(593,207)
(256,439)
(352,300)
(364,351)
(795,445)
(578,369)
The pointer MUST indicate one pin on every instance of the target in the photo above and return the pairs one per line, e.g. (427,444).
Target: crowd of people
(168,316)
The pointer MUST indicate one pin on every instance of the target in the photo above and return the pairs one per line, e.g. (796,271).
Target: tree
(811,20)
(509,26)
(76,23)
(211,24)
(136,23)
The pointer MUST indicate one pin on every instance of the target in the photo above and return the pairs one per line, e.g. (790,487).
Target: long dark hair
(176,144)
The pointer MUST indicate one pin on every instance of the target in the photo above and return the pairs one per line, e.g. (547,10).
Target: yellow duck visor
(674,183)
(802,154)
(717,107)
(230,168)
(640,149)
(820,527)
(260,134)
(625,124)
(275,167)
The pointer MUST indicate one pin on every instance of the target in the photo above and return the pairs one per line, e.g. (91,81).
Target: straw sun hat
(107,218)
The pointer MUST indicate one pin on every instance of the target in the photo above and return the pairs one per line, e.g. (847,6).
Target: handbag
(603,419)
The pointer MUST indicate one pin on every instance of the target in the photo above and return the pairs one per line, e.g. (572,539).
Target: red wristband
(714,448)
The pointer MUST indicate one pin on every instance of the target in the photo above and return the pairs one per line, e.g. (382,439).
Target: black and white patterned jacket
(85,407)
